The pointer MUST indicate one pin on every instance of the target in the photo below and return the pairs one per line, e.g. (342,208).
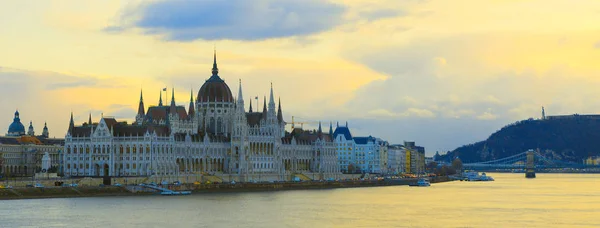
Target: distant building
(415,158)
(396,159)
(21,153)
(593,160)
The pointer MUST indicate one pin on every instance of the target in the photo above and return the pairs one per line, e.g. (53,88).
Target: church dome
(16,128)
(215,88)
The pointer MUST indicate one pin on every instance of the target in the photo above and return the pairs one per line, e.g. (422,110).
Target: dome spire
(45,130)
(30,132)
(215,69)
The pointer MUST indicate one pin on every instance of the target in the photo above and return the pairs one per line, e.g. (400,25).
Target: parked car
(38,185)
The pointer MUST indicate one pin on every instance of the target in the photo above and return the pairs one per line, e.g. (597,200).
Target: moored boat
(421,183)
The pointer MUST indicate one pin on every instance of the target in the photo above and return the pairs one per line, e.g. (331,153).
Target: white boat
(474,176)
(484,177)
(421,183)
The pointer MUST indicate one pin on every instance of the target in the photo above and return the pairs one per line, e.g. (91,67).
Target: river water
(551,200)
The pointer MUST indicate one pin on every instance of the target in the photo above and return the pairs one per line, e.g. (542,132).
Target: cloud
(378,14)
(454,81)
(417,112)
(487,116)
(597,45)
(113,29)
(70,82)
(180,20)
(50,97)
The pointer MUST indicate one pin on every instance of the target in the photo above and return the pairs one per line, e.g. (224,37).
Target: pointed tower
(45,131)
(191,111)
(279,113)
(240,99)
(90,119)
(30,132)
(346,124)
(264,112)
(320,131)
(250,109)
(139,118)
(240,121)
(330,129)
(271,100)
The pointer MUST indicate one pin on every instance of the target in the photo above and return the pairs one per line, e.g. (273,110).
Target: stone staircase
(302,177)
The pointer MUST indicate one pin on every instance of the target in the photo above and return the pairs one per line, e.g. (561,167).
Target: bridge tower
(530,166)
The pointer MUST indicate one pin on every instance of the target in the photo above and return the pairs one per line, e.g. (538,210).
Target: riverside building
(360,154)
(21,152)
(215,136)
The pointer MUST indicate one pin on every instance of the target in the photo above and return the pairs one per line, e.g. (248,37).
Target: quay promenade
(197,188)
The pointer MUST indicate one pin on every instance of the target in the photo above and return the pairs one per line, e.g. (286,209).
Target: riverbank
(68,192)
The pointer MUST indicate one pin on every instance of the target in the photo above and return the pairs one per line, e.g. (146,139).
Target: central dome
(215,88)
(16,127)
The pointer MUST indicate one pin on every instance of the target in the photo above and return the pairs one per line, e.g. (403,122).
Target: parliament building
(214,136)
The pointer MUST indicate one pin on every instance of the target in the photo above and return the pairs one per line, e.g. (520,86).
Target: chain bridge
(519,161)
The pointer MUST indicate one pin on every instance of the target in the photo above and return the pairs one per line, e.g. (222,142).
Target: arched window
(219,125)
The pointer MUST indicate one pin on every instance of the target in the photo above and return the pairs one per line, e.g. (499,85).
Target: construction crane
(294,122)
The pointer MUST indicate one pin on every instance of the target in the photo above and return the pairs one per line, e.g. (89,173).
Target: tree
(457,165)
(431,167)
(351,168)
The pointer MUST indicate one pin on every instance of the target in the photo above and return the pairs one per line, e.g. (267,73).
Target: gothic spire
(173,107)
(279,113)
(90,119)
(160,99)
(141,105)
(240,95)
(330,129)
(191,110)
(271,99)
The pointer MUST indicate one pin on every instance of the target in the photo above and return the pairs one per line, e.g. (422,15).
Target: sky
(438,72)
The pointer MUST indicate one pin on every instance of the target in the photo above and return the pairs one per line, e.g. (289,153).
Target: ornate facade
(214,136)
